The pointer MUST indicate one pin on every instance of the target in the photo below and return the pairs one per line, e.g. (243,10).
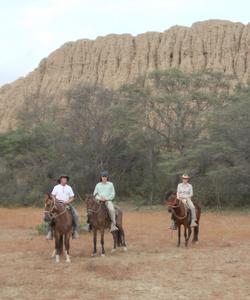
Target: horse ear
(48,196)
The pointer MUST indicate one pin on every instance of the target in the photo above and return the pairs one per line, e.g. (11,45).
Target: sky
(31,29)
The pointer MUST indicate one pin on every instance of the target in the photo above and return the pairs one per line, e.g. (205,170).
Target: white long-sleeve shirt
(184,190)
(104,190)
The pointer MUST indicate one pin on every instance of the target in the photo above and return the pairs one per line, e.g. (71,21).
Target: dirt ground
(152,268)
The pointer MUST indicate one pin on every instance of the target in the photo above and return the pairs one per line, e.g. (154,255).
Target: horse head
(171,200)
(49,207)
(91,203)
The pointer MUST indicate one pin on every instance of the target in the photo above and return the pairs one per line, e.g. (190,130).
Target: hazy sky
(31,29)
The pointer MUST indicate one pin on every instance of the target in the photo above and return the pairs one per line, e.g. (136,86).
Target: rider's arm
(191,191)
(111,195)
(54,191)
(71,196)
(178,191)
(71,199)
(96,195)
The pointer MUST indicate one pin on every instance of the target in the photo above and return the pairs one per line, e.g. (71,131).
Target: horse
(57,212)
(99,220)
(182,216)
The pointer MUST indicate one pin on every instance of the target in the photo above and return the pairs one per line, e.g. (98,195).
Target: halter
(50,212)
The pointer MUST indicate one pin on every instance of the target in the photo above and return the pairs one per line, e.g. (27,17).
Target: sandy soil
(152,268)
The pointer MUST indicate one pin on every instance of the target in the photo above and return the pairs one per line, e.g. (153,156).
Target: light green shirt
(104,190)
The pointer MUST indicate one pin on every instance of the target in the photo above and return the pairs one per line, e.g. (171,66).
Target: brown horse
(98,219)
(182,216)
(62,224)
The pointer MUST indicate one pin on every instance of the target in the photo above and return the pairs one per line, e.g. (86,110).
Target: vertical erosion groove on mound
(114,60)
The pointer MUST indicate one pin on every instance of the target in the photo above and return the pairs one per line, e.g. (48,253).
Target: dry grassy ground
(153,268)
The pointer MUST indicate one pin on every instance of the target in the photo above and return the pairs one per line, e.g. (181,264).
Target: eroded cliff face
(114,60)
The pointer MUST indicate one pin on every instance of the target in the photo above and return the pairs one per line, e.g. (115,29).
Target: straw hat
(185,176)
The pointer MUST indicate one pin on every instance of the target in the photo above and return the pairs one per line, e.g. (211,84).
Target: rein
(94,211)
(178,206)
(54,215)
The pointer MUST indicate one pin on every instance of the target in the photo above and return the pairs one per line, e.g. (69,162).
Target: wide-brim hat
(62,176)
(185,176)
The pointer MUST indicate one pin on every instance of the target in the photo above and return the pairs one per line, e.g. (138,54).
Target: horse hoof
(93,254)
(113,250)
(68,261)
(103,255)
(125,249)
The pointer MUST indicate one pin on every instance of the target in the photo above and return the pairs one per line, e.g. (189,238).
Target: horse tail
(121,237)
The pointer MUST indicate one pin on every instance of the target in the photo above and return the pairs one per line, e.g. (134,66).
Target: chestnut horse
(182,216)
(98,219)
(57,212)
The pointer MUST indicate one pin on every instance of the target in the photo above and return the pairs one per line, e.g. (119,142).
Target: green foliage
(42,229)
(146,134)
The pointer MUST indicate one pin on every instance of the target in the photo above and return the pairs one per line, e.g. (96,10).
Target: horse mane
(168,194)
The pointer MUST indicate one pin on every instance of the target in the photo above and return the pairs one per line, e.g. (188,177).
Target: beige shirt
(184,191)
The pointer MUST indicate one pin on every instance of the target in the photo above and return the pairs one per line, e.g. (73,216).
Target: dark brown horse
(99,221)
(62,225)
(182,216)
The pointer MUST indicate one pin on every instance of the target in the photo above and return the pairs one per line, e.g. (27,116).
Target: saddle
(116,210)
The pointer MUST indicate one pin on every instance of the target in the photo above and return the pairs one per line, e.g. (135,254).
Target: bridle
(178,206)
(50,212)
(91,211)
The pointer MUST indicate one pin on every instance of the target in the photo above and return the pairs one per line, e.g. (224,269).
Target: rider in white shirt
(64,193)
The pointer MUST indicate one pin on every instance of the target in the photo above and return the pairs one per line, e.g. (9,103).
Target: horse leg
(185,235)
(115,237)
(102,242)
(66,245)
(94,241)
(58,246)
(179,235)
(189,232)
(122,235)
(196,234)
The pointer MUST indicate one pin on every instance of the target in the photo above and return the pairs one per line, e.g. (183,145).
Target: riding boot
(75,234)
(75,217)
(50,233)
(173,225)
(88,226)
(193,223)
(113,227)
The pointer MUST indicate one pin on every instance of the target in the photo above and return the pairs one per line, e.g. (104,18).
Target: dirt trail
(153,268)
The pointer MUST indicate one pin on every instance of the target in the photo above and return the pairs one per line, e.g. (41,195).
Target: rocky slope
(114,60)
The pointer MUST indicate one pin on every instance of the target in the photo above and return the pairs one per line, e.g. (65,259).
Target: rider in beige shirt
(184,193)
